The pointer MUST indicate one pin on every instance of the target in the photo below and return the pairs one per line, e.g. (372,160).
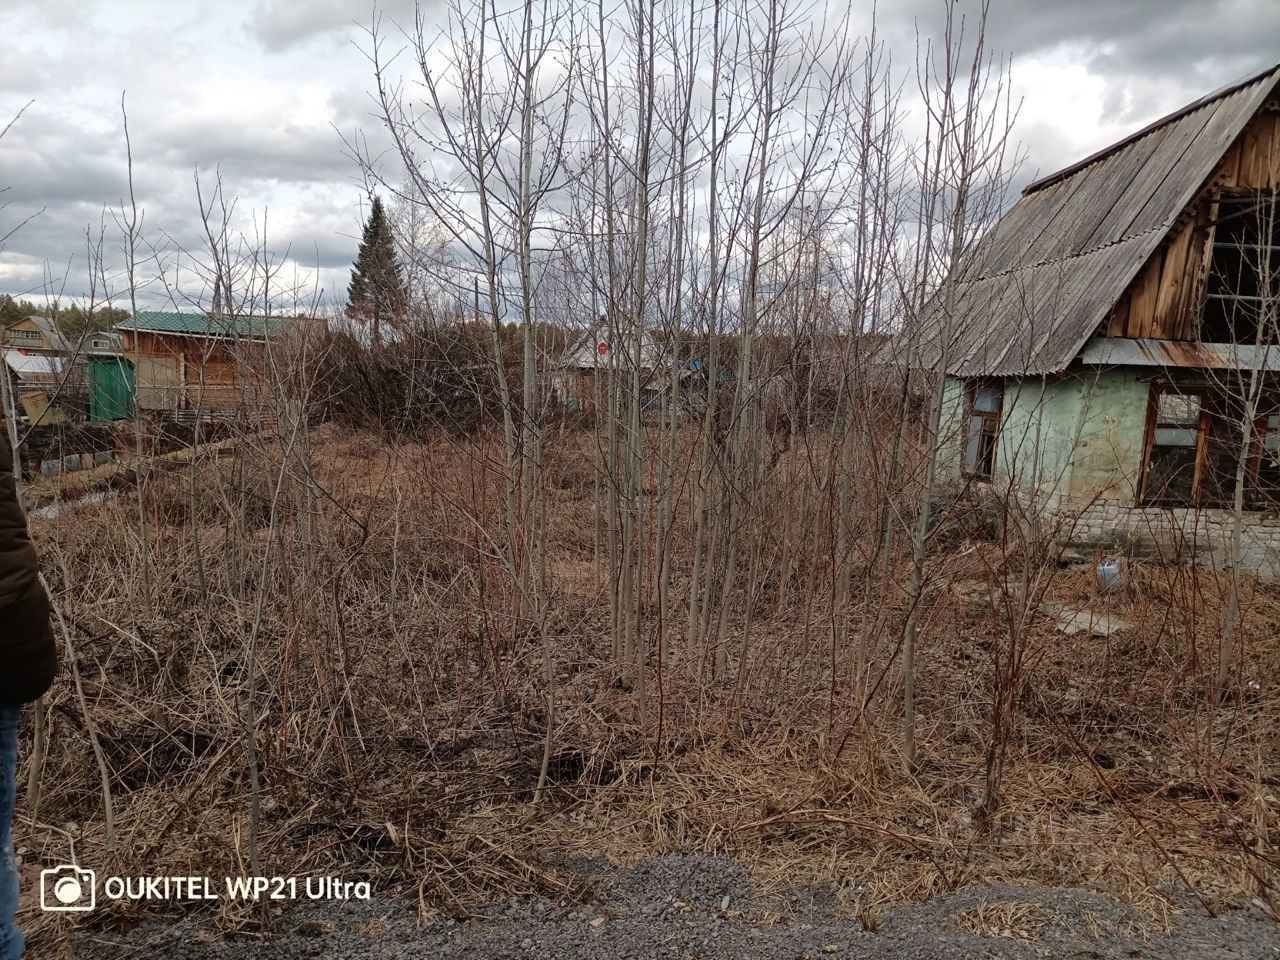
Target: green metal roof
(202,325)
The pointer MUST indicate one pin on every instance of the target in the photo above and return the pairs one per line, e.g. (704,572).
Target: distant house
(34,334)
(189,364)
(37,381)
(578,377)
(1116,332)
(47,378)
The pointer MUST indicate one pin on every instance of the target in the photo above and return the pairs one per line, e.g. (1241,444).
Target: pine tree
(377,294)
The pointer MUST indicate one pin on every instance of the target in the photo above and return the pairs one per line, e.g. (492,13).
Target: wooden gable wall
(28,326)
(176,372)
(1163,302)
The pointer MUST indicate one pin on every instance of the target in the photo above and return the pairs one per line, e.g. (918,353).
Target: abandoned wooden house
(1113,351)
(192,365)
(578,380)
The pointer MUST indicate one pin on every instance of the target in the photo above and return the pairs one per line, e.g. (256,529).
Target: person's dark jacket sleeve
(28,657)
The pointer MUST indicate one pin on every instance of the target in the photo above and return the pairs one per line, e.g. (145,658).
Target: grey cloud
(1189,42)
(287,153)
(1152,56)
(81,189)
(52,179)
(325,234)
(281,24)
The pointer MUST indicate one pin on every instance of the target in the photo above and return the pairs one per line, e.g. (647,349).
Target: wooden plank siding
(1164,300)
(177,372)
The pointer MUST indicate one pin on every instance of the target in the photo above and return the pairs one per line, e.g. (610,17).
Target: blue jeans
(10,936)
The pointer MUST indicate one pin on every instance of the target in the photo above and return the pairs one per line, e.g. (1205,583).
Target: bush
(441,376)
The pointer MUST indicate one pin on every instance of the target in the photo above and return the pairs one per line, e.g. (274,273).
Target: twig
(103,774)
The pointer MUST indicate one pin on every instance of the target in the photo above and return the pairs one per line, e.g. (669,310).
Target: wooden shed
(194,364)
(578,377)
(110,376)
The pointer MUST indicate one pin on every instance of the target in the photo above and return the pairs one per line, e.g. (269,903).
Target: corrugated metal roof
(1039,283)
(31,368)
(203,325)
(1146,352)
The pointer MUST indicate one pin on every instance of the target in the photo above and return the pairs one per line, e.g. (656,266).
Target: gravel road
(704,907)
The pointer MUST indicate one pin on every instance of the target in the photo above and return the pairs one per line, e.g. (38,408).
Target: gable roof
(243,327)
(53,336)
(584,353)
(1040,282)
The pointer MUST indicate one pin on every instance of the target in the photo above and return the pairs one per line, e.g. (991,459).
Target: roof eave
(210,335)
(1179,354)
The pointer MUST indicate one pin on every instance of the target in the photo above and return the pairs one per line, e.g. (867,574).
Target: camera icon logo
(67,888)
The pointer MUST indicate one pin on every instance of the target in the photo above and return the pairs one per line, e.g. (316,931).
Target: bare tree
(966,98)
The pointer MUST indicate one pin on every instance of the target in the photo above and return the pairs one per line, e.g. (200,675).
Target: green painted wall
(1077,435)
(1038,433)
(1108,459)
(952,429)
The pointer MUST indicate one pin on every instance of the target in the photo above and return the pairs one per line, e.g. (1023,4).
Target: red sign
(602,348)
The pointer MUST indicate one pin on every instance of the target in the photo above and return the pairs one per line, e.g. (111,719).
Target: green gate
(110,388)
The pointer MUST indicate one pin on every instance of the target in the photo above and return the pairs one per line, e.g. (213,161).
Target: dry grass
(401,708)
(1012,919)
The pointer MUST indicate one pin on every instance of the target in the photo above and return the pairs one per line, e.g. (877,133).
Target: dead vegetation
(358,608)
(455,636)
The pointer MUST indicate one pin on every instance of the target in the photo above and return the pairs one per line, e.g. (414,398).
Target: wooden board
(1163,301)
(1142,304)
(1172,279)
(1253,162)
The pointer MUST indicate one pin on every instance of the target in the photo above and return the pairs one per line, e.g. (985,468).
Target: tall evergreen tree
(377,294)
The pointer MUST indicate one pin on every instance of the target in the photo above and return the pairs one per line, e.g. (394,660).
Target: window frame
(1209,394)
(1219,213)
(1154,423)
(993,418)
(1261,498)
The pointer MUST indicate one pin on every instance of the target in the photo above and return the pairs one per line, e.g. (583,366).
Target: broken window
(1224,437)
(1194,446)
(1173,448)
(983,401)
(1242,284)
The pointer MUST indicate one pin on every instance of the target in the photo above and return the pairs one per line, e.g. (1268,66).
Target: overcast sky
(261,89)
